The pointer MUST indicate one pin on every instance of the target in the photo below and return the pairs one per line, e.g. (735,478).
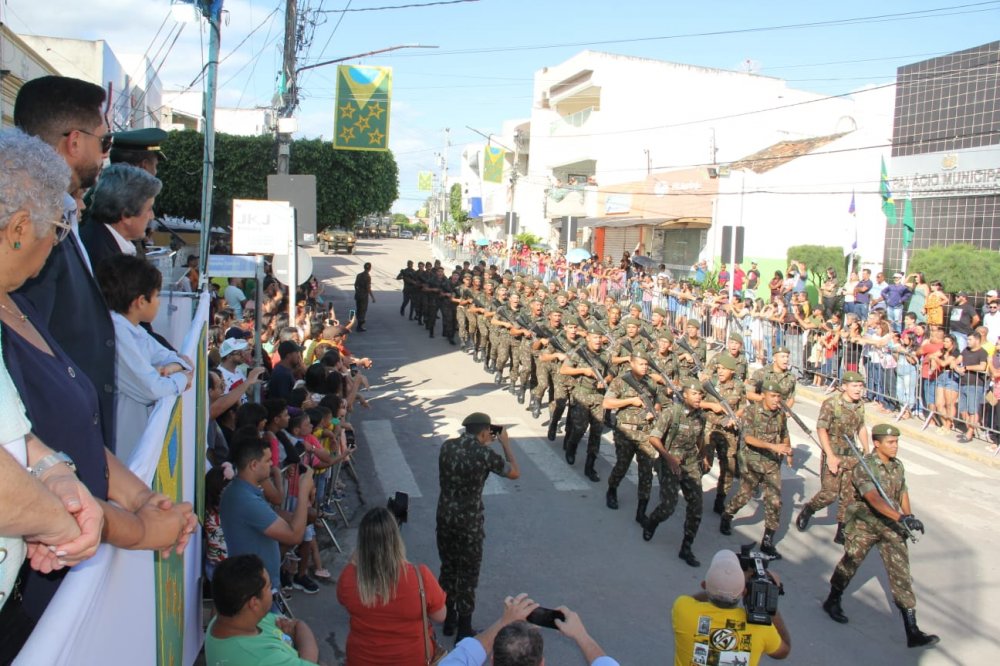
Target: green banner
(361,119)
(425,181)
(493,164)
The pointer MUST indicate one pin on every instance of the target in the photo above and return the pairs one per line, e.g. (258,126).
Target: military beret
(571,321)
(579,303)
(665,334)
(736,337)
(851,376)
(692,384)
(562,293)
(694,322)
(632,321)
(885,429)
(782,350)
(660,311)
(726,361)
(553,311)
(771,387)
(476,418)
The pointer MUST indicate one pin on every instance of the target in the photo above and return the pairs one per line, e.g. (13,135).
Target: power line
(330,37)
(409,6)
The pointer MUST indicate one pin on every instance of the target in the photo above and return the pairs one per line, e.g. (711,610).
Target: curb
(912,431)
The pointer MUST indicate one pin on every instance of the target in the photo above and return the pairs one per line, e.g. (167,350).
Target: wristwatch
(50,461)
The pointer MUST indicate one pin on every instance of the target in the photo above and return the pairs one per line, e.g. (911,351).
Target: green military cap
(660,311)
(692,384)
(736,337)
(640,353)
(782,350)
(562,293)
(885,429)
(727,362)
(595,328)
(570,321)
(632,321)
(852,376)
(140,139)
(579,303)
(771,387)
(694,322)
(476,418)
(519,280)
(665,334)
(553,310)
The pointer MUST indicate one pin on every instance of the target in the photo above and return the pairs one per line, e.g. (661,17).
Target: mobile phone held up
(351,314)
(496,429)
(545,617)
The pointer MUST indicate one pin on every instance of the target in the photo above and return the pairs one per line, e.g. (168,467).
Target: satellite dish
(279,267)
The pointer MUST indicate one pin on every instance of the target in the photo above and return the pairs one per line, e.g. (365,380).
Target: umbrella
(577,255)
(482,242)
(645,262)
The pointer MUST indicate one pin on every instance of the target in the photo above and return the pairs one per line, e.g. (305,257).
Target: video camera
(761,598)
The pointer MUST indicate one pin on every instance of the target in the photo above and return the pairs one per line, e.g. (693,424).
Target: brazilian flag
(493,167)
(362,109)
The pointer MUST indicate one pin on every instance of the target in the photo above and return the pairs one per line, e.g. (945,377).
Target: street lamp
(363,55)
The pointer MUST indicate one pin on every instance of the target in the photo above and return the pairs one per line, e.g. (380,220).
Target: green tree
(458,216)
(400,219)
(817,259)
(959,267)
(528,238)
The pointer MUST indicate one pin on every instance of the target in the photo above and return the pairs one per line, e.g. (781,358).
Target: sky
(489,50)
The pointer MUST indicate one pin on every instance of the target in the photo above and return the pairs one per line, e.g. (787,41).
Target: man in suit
(120,211)
(66,114)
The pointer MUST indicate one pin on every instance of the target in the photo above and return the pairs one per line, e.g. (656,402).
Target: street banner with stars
(362,112)
(493,164)
(425,181)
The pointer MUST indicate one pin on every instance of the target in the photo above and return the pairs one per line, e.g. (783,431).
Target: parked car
(407,234)
(336,239)
(422,237)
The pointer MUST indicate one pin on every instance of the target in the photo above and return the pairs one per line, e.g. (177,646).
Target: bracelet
(50,461)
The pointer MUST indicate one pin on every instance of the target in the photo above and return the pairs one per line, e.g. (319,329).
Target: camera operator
(514,642)
(711,626)
(463,466)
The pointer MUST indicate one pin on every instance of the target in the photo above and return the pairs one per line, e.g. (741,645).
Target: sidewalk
(911,429)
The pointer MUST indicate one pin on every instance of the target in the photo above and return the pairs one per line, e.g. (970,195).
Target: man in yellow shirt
(711,627)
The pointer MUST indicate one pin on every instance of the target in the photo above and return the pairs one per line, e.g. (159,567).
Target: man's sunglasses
(106,141)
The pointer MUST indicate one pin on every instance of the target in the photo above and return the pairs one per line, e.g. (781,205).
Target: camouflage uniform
(742,367)
(785,380)
(631,433)
(681,430)
(501,335)
(668,365)
(586,410)
(463,466)
(524,357)
(482,300)
(866,528)
(626,346)
(838,417)
(723,440)
(461,312)
(762,467)
(700,352)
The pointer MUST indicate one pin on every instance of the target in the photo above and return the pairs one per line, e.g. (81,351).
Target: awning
(686,223)
(618,222)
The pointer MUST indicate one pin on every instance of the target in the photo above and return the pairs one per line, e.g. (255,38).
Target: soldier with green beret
(840,416)
(677,436)
(722,436)
(872,521)
(765,433)
(464,464)
(627,344)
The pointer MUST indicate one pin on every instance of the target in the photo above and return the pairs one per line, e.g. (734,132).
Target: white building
(183,110)
(133,88)
(623,145)
(20,63)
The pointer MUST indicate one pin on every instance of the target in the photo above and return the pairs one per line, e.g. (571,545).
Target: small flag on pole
(851,209)
(425,181)
(888,204)
(908,226)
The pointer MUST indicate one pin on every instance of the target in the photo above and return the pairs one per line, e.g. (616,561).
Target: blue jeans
(962,339)
(906,386)
(895,315)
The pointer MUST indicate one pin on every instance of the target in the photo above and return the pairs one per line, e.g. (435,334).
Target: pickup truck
(333,239)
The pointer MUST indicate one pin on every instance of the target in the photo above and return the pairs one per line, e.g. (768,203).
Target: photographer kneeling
(714,622)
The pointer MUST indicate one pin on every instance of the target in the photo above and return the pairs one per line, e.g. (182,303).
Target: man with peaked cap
(464,464)
(140,148)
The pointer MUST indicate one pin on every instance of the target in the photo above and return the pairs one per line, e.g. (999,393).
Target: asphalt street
(549,533)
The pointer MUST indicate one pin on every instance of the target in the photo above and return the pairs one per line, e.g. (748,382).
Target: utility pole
(289,92)
(445,193)
(513,188)
(208,168)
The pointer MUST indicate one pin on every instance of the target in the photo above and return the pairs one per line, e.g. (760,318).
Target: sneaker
(292,556)
(286,581)
(306,584)
(322,573)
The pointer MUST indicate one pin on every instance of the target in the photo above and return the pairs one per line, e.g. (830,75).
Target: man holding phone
(464,465)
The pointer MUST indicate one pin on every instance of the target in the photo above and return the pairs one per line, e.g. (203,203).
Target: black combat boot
(802,521)
(464,628)
(611,498)
(570,449)
(431,333)
(451,340)
(767,545)
(498,377)
(588,468)
(685,553)
(512,387)
(915,637)
(726,524)
(450,620)
(475,354)
(640,510)
(720,504)
(832,605)
(557,413)
(649,528)
(521,390)
(536,407)
(839,537)
(486,363)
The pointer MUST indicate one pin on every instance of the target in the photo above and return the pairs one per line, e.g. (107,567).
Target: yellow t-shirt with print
(706,635)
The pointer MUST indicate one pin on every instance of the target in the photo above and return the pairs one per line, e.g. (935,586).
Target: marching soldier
(765,432)
(721,435)
(776,373)
(872,521)
(663,365)
(499,301)
(462,298)
(734,350)
(570,339)
(463,466)
(630,394)
(692,338)
(677,436)
(547,362)
(483,302)
(627,345)
(590,368)
(840,416)
(524,356)
(502,330)
(407,275)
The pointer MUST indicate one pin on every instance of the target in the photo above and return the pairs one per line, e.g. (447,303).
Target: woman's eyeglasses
(62,230)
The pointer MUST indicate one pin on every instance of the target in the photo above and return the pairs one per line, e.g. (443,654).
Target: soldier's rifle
(798,420)
(710,389)
(683,344)
(589,362)
(648,401)
(675,390)
(878,486)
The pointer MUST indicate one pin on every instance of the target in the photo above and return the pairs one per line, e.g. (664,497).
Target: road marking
(968,471)
(390,464)
(539,450)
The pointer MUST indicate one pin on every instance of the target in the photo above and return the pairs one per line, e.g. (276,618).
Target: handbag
(439,652)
